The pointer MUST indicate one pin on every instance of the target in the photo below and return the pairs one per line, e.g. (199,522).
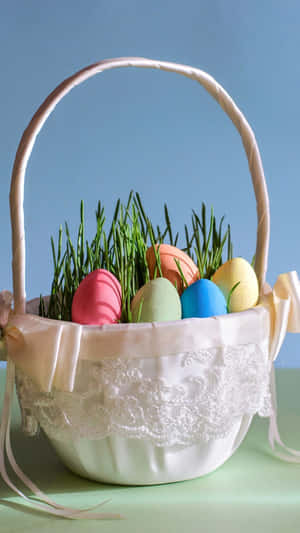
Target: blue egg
(203,299)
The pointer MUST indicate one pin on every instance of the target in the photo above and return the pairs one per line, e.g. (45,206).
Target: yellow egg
(238,270)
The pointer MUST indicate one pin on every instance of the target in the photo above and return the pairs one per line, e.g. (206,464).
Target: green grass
(122,250)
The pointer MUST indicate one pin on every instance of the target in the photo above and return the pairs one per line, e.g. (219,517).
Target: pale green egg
(157,301)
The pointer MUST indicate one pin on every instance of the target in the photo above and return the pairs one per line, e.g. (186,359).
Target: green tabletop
(252,492)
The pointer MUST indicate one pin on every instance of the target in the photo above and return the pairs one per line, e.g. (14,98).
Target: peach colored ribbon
(11,338)
(6,299)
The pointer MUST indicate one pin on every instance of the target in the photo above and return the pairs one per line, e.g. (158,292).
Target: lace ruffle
(175,400)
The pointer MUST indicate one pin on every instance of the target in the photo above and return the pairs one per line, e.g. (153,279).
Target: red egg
(169,268)
(98,299)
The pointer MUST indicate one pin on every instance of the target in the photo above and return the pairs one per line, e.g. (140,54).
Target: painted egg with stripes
(98,299)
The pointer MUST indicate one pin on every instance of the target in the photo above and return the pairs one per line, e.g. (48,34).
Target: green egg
(157,301)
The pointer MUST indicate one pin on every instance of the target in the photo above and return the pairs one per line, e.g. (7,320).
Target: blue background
(154,132)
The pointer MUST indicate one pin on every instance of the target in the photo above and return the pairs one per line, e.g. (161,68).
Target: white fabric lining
(279,310)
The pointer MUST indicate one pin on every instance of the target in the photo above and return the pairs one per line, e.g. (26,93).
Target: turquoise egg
(203,299)
(157,301)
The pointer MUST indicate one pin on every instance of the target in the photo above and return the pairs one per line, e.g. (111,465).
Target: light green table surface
(251,492)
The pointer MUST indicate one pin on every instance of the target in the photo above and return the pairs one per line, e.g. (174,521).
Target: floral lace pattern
(175,400)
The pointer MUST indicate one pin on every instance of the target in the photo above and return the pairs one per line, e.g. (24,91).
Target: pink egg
(98,299)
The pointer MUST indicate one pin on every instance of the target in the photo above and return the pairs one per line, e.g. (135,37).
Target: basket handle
(40,117)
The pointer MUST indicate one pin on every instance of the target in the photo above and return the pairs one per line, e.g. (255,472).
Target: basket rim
(140,325)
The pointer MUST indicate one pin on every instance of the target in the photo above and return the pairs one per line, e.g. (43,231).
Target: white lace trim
(176,400)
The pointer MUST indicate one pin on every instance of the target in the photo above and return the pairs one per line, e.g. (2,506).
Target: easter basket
(145,403)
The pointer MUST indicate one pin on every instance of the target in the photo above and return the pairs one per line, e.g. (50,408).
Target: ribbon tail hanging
(286,303)
(288,454)
(48,506)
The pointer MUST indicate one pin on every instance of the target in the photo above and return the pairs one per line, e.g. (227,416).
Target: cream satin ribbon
(11,337)
(12,340)
(285,299)
(51,506)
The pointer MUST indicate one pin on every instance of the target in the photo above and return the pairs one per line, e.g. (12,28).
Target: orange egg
(169,268)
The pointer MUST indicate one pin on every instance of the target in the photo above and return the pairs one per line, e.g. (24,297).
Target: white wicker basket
(145,403)
(128,448)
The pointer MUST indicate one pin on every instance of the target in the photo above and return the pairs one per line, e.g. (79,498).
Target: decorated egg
(168,254)
(157,301)
(203,299)
(98,299)
(246,293)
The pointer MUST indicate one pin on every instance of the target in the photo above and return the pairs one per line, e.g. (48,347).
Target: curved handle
(40,117)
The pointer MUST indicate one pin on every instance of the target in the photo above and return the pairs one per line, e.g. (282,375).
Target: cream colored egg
(238,270)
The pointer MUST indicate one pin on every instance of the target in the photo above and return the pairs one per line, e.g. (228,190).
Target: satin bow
(287,289)
(10,336)
(284,299)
